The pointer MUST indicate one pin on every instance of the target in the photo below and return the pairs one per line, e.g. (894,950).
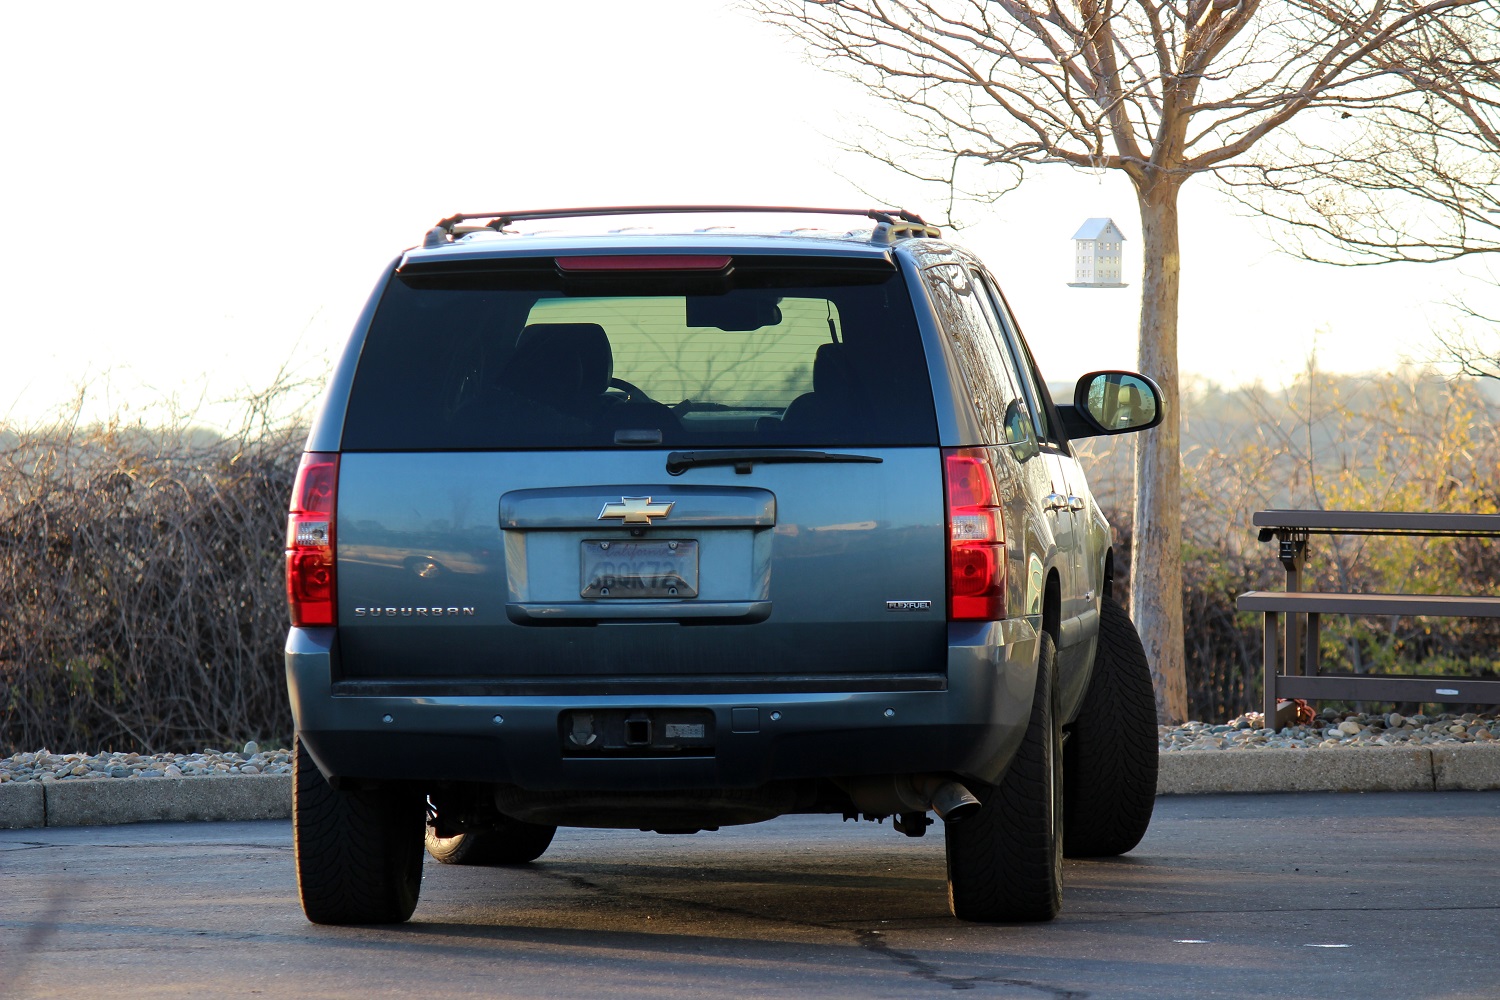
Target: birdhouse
(1099,247)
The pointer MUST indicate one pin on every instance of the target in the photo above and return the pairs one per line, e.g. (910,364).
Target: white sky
(195,195)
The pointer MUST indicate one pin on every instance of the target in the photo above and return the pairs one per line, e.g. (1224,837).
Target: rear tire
(510,843)
(1005,862)
(359,853)
(1111,755)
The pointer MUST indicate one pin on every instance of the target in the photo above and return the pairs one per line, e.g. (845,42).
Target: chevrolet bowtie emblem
(635,510)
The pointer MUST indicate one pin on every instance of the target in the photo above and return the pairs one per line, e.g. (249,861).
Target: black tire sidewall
(358,853)
(1111,757)
(1005,862)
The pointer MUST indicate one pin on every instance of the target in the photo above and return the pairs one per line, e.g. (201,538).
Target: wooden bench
(1297,677)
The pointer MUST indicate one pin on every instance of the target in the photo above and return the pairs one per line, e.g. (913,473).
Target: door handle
(1055,501)
(1075,503)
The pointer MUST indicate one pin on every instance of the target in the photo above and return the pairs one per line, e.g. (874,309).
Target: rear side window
(1030,380)
(987,372)
(529,359)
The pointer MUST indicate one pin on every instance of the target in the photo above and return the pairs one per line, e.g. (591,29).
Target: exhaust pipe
(913,793)
(953,802)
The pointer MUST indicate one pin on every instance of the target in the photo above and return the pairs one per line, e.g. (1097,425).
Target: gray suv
(672,529)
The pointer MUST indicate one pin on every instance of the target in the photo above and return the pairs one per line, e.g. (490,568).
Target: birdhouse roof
(1095,229)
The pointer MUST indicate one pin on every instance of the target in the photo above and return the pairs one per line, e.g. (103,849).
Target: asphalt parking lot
(1314,895)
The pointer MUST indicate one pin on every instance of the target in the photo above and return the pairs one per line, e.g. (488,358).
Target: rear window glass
(528,360)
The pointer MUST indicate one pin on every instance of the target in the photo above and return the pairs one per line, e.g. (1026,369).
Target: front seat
(834,395)
(562,371)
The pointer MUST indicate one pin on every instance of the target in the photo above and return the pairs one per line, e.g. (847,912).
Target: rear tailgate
(512,572)
(506,512)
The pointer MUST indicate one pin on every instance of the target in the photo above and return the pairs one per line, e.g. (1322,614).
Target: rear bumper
(971,728)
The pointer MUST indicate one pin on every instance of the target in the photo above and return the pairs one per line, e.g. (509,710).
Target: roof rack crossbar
(889,221)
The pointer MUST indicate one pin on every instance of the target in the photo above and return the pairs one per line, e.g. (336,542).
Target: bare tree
(1408,177)
(1160,90)
(1414,180)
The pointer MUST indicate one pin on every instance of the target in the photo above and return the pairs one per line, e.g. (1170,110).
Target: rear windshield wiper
(679,462)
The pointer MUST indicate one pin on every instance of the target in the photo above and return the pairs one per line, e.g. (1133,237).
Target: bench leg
(1292,642)
(1310,660)
(1271,665)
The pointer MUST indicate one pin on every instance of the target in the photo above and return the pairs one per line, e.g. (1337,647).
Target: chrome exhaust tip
(912,793)
(953,802)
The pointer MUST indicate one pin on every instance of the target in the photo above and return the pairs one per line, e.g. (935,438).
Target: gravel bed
(44,766)
(1331,729)
(1334,729)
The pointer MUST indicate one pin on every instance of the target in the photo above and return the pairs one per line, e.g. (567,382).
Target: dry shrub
(1408,442)
(1402,442)
(141,584)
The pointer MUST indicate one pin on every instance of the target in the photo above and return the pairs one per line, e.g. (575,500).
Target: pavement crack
(875,942)
(872,941)
(579,882)
(26,845)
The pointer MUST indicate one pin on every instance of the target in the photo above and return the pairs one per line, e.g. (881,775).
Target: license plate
(624,569)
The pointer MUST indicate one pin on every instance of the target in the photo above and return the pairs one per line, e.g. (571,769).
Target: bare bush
(1410,442)
(1400,442)
(141,584)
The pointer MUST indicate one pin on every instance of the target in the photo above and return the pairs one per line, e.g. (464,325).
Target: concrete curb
(1466,769)
(1469,767)
(22,805)
(105,802)
(111,801)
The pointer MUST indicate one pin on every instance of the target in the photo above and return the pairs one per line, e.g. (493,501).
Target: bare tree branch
(1406,175)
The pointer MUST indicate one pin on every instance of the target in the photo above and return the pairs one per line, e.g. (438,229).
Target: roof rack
(890,223)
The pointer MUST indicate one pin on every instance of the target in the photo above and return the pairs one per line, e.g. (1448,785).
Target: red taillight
(976,538)
(310,578)
(644,262)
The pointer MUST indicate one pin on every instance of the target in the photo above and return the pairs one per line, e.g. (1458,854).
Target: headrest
(831,369)
(554,360)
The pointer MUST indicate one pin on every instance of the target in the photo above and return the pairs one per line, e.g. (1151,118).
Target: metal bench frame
(1303,610)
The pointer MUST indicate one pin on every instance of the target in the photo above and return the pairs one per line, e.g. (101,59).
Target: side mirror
(1112,402)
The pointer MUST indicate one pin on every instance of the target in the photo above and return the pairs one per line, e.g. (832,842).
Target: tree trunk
(1156,560)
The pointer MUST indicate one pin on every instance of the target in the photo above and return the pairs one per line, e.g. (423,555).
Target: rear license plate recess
(612,569)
